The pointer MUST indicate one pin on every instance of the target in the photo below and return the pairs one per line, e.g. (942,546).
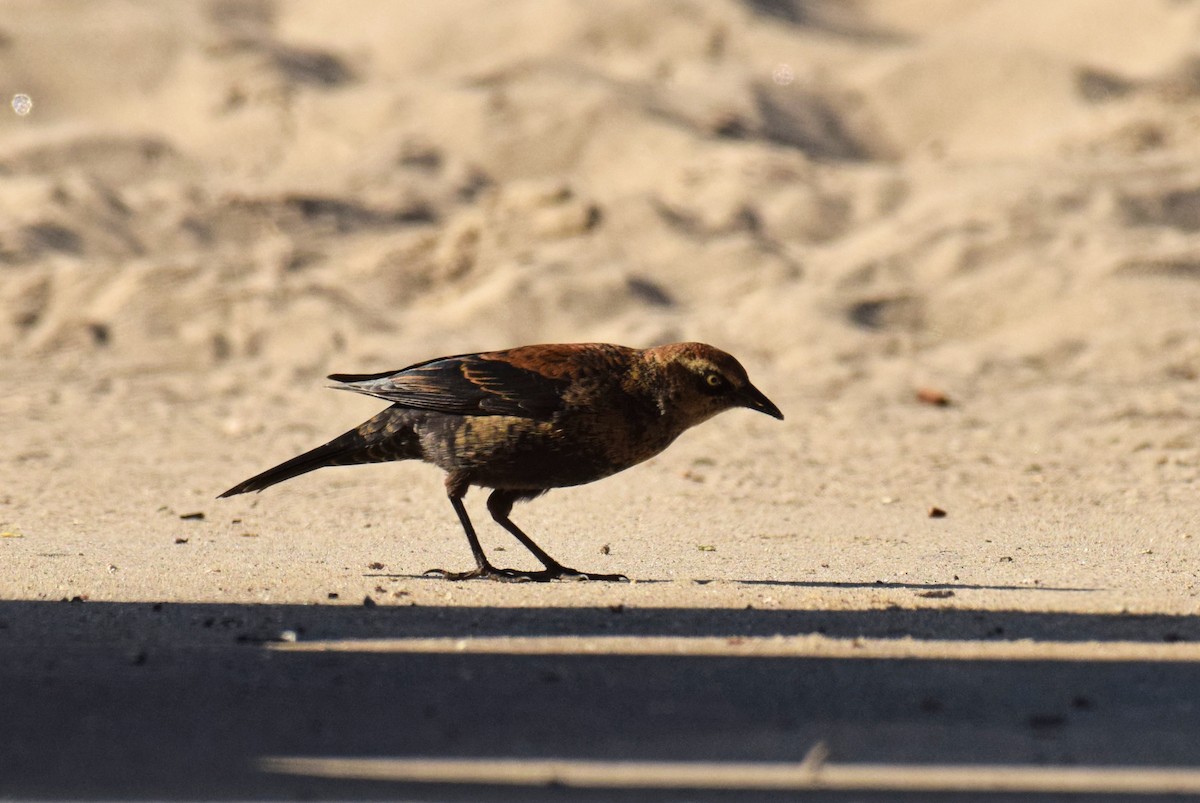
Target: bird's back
(574,413)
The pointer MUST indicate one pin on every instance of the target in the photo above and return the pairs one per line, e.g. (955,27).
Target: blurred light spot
(782,74)
(22,104)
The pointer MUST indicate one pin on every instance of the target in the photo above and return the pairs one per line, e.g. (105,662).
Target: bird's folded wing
(466,384)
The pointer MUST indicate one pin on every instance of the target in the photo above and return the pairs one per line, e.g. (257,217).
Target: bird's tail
(360,445)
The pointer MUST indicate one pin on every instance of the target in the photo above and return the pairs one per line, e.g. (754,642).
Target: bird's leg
(483,569)
(500,504)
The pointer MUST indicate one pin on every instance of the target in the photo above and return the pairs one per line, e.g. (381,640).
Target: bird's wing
(466,384)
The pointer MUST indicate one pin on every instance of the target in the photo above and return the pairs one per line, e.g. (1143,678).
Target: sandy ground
(213,205)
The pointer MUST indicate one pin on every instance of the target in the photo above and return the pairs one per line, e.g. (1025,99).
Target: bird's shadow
(913,586)
(843,584)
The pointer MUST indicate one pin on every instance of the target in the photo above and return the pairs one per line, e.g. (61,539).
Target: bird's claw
(483,573)
(518,576)
(567,573)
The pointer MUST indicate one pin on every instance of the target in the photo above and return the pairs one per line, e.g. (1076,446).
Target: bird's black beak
(753,398)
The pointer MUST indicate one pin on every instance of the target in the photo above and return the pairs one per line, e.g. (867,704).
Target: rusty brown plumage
(528,419)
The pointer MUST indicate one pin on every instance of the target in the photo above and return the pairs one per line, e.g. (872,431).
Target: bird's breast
(573,448)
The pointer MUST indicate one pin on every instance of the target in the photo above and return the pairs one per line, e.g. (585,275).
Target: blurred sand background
(212,205)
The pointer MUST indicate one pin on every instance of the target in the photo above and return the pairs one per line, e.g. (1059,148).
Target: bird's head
(702,381)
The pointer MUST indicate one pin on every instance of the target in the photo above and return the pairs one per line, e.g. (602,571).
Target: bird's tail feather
(347,449)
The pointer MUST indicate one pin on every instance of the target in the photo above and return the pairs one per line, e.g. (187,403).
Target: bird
(524,420)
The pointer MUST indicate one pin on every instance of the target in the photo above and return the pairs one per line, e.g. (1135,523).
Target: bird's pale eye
(714,383)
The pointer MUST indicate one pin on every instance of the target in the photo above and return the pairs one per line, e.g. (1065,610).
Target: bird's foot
(559,572)
(486,572)
(556,572)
